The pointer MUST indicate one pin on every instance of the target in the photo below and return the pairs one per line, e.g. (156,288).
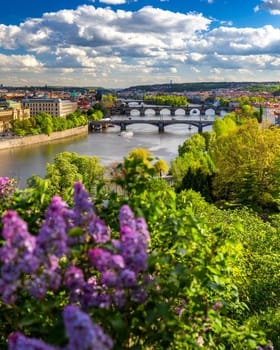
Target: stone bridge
(148,110)
(160,123)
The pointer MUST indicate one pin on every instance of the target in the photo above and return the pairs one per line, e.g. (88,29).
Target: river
(21,163)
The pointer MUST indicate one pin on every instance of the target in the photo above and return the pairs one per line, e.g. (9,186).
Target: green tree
(69,168)
(193,167)
(247,154)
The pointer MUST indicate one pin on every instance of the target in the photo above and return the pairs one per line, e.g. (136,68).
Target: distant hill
(203,86)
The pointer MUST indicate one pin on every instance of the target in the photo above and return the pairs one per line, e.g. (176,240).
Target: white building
(53,106)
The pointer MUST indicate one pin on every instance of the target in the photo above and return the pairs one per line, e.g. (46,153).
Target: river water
(21,163)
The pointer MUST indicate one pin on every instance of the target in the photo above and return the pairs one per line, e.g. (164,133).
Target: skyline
(122,43)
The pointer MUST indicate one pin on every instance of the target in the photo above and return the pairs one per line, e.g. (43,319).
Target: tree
(136,171)
(69,168)
(193,168)
(246,155)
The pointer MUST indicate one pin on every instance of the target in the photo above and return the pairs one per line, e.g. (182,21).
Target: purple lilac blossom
(74,281)
(85,217)
(6,187)
(18,341)
(17,255)
(52,238)
(126,217)
(100,258)
(82,333)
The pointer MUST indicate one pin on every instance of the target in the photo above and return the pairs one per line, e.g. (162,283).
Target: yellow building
(10,110)
(53,106)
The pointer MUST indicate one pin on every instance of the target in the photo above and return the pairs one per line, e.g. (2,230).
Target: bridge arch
(165,111)
(150,111)
(194,112)
(135,112)
(180,111)
(210,112)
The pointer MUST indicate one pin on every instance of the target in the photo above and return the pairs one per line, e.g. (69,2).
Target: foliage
(166,100)
(186,295)
(246,161)
(193,167)
(44,123)
(137,170)
(209,277)
(70,167)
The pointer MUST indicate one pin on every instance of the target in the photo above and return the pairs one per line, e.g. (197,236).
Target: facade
(10,110)
(53,106)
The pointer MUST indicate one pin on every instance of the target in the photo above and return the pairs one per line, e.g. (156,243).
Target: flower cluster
(121,268)
(17,256)
(7,187)
(107,273)
(82,334)
(29,262)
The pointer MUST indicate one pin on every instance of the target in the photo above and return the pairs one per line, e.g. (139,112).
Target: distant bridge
(160,123)
(150,110)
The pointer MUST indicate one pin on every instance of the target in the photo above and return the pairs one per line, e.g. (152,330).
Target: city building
(53,106)
(10,110)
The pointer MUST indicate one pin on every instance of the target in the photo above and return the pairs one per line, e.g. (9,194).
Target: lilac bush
(105,273)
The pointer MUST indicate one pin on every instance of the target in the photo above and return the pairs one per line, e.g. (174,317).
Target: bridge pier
(123,126)
(200,128)
(160,127)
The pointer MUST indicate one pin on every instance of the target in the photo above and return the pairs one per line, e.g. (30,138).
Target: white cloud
(114,48)
(19,62)
(272,6)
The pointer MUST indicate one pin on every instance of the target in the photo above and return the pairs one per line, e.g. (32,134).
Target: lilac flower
(142,229)
(100,258)
(47,278)
(82,333)
(109,278)
(74,277)
(74,280)
(119,297)
(18,341)
(127,278)
(17,255)
(52,238)
(126,217)
(99,232)
(117,261)
(83,207)
(85,217)
(7,187)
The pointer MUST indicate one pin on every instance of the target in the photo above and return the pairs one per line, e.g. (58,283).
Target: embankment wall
(35,139)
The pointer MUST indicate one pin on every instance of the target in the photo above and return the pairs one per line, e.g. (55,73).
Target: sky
(123,43)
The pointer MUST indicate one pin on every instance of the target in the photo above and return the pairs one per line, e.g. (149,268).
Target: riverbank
(15,142)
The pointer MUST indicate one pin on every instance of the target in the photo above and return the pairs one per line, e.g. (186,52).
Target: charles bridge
(189,110)
(201,116)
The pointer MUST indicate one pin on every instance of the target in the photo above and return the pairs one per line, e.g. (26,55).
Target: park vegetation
(166,100)
(117,258)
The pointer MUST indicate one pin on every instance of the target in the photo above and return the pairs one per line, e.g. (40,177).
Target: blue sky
(121,43)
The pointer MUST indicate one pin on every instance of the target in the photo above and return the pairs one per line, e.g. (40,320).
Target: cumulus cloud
(19,62)
(272,6)
(116,46)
